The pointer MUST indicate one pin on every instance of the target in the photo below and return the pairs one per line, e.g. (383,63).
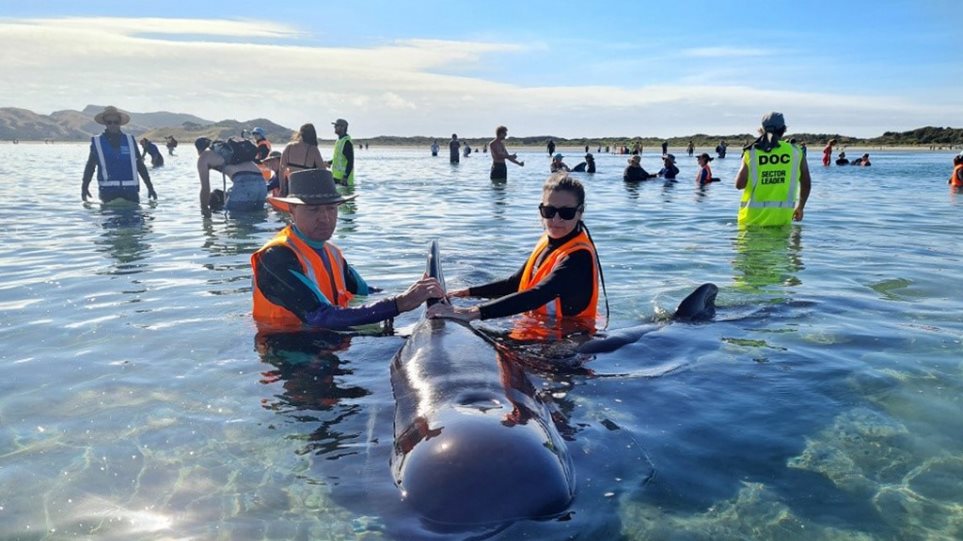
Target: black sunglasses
(566,213)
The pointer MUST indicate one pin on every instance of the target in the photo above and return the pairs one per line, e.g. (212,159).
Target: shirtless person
(500,154)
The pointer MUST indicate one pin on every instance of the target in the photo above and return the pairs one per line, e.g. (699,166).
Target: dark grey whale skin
(473,442)
(700,305)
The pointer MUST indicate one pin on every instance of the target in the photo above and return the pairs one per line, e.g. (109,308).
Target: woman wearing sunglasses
(561,276)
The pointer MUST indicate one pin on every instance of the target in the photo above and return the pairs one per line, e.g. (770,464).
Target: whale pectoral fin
(700,305)
(617,339)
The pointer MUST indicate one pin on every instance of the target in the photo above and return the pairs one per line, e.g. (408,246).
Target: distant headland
(77,126)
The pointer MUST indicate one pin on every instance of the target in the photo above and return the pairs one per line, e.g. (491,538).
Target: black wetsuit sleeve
(348,151)
(89,168)
(281,287)
(498,288)
(567,281)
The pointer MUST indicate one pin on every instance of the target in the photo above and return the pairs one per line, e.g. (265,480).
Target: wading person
(500,154)
(561,276)
(302,280)
(774,178)
(116,158)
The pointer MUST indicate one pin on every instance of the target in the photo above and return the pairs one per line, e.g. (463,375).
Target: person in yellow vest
(774,178)
(301,280)
(342,162)
(561,276)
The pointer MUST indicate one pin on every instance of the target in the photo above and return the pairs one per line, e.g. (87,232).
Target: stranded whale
(700,305)
(474,444)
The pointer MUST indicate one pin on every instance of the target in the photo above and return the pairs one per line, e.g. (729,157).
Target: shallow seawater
(823,402)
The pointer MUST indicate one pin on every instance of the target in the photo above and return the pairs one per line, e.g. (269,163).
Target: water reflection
(632,188)
(235,234)
(124,230)
(499,199)
(767,256)
(308,367)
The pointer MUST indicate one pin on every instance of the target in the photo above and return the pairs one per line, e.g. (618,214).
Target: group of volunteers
(252,167)
(302,280)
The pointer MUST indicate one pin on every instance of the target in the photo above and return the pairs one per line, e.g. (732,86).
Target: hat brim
(284,203)
(124,117)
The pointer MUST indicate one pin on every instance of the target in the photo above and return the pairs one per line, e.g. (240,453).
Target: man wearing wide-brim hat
(117,160)
(634,172)
(303,280)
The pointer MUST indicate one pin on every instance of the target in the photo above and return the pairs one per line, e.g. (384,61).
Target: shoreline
(579,150)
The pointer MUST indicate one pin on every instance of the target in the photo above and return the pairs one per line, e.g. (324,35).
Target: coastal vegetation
(76,126)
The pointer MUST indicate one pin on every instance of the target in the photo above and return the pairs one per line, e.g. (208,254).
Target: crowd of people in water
(302,280)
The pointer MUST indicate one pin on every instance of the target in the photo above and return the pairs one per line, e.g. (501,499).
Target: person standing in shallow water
(115,157)
(828,152)
(500,154)
(774,178)
(559,281)
(342,159)
(150,149)
(301,280)
(454,146)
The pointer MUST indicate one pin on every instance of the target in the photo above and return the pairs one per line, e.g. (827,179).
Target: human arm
(805,186)
(348,151)
(205,162)
(742,177)
(568,281)
(281,279)
(88,174)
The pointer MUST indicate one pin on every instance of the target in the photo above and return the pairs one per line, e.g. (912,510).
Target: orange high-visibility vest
(328,280)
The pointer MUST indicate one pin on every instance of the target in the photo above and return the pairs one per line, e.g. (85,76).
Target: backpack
(235,151)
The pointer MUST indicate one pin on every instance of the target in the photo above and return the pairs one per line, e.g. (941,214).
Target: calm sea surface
(824,401)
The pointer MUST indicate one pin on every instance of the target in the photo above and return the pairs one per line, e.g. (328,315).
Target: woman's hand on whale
(444,310)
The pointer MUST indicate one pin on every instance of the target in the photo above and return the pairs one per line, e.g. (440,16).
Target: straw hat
(110,110)
(312,187)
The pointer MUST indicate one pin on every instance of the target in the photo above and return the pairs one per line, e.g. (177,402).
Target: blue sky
(562,68)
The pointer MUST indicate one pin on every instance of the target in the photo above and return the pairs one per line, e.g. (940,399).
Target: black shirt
(567,281)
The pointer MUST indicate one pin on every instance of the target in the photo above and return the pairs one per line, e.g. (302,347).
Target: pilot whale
(700,305)
(473,442)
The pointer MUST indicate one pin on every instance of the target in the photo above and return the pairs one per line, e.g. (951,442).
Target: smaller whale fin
(433,268)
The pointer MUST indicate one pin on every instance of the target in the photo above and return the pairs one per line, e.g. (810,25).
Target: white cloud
(405,87)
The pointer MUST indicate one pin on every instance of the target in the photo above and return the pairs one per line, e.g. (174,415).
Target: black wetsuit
(567,281)
(279,286)
(156,158)
(453,147)
(636,173)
